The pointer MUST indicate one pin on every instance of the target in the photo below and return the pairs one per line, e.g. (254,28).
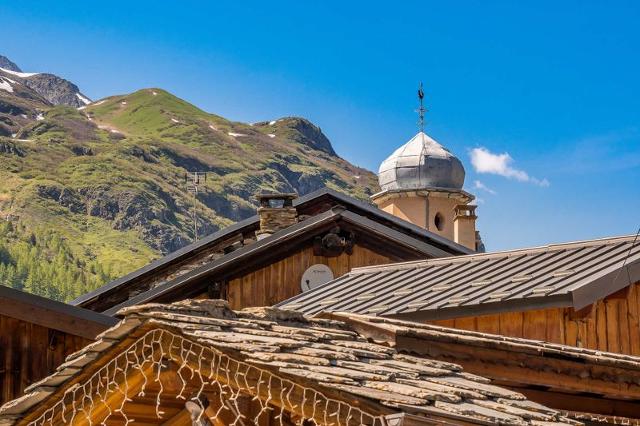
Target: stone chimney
(276,212)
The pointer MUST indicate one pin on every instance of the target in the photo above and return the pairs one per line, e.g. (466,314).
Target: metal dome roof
(421,163)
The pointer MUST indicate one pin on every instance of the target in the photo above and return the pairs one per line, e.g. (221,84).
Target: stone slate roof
(559,275)
(391,330)
(329,354)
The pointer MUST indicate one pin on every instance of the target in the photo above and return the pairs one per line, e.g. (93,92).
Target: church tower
(421,182)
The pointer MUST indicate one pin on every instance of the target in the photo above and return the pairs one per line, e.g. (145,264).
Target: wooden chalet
(199,363)
(261,260)
(36,334)
(582,294)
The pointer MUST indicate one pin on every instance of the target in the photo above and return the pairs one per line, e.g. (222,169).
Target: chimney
(464,225)
(276,212)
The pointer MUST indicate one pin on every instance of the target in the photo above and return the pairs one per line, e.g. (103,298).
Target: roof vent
(276,212)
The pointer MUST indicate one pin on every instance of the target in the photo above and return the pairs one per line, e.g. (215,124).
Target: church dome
(421,163)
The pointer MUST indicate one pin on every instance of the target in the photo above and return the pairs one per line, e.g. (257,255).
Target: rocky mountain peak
(54,89)
(302,131)
(8,65)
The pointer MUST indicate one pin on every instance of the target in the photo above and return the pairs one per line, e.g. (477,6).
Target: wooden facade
(611,324)
(29,352)
(37,334)
(280,280)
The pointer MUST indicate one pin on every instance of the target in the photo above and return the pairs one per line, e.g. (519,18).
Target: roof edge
(24,306)
(614,280)
(526,304)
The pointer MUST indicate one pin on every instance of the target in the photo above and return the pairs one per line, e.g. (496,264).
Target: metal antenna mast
(422,109)
(193,179)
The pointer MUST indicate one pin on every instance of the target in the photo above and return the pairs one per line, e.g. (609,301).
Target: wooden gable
(281,280)
(337,238)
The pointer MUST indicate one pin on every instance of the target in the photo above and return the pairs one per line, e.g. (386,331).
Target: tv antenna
(422,109)
(193,180)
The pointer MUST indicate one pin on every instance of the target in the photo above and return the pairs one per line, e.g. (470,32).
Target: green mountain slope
(88,195)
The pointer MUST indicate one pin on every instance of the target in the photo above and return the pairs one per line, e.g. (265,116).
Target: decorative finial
(422,109)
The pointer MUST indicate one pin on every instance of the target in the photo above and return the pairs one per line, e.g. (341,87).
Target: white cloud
(479,185)
(484,161)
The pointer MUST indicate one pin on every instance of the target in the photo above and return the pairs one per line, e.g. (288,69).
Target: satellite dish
(315,276)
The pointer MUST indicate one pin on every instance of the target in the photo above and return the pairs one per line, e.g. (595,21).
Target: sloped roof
(240,258)
(560,275)
(325,354)
(308,204)
(52,314)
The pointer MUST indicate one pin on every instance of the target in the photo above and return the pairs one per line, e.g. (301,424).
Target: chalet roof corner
(573,274)
(302,367)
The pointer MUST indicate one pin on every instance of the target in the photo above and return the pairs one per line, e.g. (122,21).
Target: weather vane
(422,109)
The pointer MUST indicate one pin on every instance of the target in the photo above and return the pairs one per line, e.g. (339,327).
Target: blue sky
(555,85)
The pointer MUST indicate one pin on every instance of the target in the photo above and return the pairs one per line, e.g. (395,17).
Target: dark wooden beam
(52,314)
(524,369)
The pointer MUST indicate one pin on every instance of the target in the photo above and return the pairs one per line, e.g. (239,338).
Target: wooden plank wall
(612,324)
(30,352)
(281,280)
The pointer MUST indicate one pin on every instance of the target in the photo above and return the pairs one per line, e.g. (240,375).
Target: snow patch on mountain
(5,85)
(20,74)
(86,101)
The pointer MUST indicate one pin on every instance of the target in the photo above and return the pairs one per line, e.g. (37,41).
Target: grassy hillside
(89,195)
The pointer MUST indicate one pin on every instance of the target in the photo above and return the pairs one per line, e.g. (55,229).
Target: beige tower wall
(411,209)
(422,207)
(445,207)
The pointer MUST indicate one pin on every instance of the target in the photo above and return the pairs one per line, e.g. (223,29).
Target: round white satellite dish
(315,276)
